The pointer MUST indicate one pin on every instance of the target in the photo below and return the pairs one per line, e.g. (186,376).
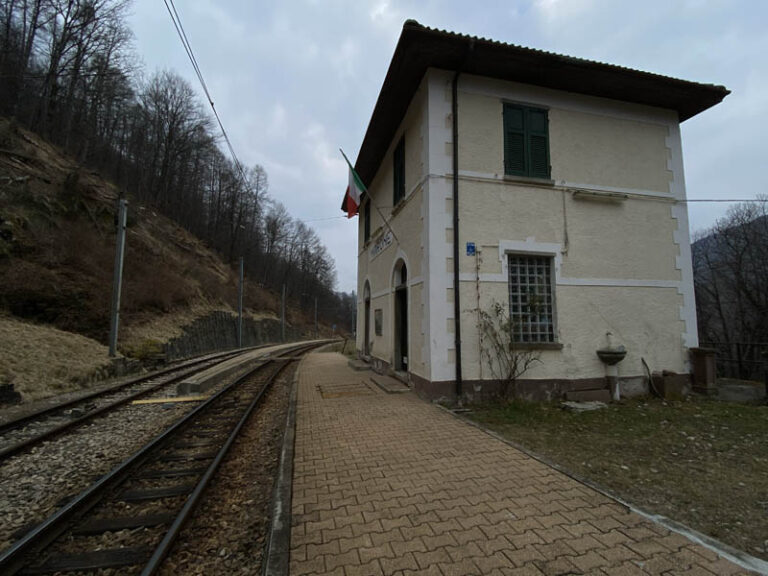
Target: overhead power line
(173,13)
(689,200)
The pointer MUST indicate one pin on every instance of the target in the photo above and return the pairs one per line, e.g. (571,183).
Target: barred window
(531,302)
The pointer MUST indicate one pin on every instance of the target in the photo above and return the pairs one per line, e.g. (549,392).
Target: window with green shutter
(526,141)
(399,172)
(367,221)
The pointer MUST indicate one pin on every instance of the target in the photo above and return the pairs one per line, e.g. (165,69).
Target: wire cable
(171,7)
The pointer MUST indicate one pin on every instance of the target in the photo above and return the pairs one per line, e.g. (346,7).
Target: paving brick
(433,570)
(398,564)
(626,569)
(525,539)
(316,565)
(349,558)
(495,545)
(491,561)
(526,570)
(617,554)
(388,484)
(367,527)
(376,552)
(470,550)
(392,523)
(471,535)
(414,545)
(410,532)
(461,568)
(559,566)
(314,550)
(347,544)
(379,538)
(336,533)
(372,568)
(588,561)
(426,559)
(647,548)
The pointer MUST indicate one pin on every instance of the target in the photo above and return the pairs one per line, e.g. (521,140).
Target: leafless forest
(730,266)
(68,71)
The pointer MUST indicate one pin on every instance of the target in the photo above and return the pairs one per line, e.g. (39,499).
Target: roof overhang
(420,48)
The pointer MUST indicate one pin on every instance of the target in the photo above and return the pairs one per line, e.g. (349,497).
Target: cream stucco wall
(405,226)
(612,218)
(609,218)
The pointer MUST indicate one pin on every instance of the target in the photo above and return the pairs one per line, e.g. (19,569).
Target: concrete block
(588,396)
(741,393)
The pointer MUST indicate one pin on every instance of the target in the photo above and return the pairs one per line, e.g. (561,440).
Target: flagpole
(370,198)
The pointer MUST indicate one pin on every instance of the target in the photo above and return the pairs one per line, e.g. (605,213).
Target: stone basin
(611,356)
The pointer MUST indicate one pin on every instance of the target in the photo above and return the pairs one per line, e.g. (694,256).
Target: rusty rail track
(61,418)
(171,472)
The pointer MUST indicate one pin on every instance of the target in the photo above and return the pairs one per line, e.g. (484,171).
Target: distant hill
(57,242)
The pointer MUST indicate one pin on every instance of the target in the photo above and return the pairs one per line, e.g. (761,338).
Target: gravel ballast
(35,484)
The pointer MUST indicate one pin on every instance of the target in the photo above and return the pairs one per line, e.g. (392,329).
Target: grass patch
(700,462)
(41,361)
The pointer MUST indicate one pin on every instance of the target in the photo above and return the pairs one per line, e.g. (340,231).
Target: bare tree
(730,264)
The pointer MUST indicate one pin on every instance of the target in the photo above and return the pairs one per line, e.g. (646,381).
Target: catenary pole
(240,307)
(282,316)
(117,282)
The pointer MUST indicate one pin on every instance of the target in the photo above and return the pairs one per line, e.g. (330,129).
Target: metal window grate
(531,303)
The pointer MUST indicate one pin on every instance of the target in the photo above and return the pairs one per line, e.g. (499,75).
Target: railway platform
(385,483)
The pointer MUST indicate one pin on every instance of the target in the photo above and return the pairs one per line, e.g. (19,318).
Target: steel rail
(13,558)
(164,547)
(23,445)
(25,419)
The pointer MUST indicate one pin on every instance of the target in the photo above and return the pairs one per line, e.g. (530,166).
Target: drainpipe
(456,286)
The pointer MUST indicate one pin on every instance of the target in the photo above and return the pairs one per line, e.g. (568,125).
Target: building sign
(470,248)
(381,244)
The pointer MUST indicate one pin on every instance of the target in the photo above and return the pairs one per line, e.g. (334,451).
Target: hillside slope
(57,244)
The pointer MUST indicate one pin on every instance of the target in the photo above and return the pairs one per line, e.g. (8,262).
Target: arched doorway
(367,319)
(400,281)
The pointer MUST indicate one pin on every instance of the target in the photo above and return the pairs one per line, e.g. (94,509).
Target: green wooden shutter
(514,140)
(537,133)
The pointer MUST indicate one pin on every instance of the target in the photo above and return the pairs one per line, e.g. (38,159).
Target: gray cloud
(293,81)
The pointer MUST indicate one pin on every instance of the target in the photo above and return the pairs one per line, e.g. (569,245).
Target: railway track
(25,432)
(143,503)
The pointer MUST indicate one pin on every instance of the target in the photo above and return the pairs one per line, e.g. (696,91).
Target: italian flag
(355,189)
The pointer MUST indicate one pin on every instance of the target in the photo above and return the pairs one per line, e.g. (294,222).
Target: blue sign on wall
(470,248)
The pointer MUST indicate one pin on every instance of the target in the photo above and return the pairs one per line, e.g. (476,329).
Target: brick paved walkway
(388,484)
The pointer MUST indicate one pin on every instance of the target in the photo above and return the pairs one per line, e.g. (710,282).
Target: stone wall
(218,331)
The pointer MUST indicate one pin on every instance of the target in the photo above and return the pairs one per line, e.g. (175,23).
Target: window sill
(529,180)
(538,346)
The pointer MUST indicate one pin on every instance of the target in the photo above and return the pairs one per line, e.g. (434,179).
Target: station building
(502,174)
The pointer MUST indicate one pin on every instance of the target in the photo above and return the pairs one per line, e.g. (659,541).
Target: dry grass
(41,361)
(699,462)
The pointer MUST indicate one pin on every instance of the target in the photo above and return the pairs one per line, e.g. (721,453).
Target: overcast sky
(295,80)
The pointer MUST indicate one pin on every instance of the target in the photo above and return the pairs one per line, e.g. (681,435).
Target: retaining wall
(218,331)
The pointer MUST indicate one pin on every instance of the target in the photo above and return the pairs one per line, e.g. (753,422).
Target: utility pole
(240,307)
(282,316)
(317,332)
(117,282)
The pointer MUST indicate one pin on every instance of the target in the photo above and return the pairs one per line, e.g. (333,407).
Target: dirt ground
(699,462)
